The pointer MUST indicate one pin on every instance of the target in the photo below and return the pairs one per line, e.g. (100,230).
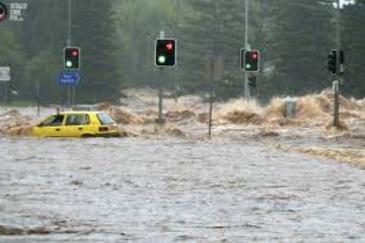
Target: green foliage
(12,55)
(353,21)
(117,41)
(299,37)
(211,37)
(138,26)
(44,79)
(94,31)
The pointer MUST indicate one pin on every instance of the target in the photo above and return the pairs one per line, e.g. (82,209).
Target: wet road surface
(116,190)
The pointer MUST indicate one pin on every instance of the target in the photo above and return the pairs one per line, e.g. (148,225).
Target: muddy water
(118,190)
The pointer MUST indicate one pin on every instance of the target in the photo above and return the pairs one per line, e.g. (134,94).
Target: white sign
(5,74)
(15,13)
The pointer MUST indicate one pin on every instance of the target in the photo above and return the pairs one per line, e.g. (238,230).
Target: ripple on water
(175,190)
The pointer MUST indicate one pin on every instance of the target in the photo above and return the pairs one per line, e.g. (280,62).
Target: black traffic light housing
(72,57)
(165,54)
(252,81)
(342,62)
(332,61)
(242,58)
(252,60)
(3,12)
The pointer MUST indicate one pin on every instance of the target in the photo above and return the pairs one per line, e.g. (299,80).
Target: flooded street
(174,190)
(194,121)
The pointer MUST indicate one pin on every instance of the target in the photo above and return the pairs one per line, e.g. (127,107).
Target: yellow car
(77,124)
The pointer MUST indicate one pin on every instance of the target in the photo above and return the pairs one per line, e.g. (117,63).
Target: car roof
(80,112)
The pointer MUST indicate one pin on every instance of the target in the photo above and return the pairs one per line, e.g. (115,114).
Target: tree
(94,31)
(40,78)
(300,36)
(353,33)
(11,54)
(213,31)
(138,26)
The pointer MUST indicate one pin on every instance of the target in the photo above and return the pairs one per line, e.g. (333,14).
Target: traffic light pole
(160,90)
(336,113)
(160,99)
(70,90)
(338,75)
(247,47)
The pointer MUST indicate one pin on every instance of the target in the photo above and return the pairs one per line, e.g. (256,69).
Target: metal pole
(336,113)
(38,94)
(69,41)
(160,99)
(211,100)
(160,90)
(69,31)
(6,93)
(69,96)
(177,71)
(247,47)
(73,95)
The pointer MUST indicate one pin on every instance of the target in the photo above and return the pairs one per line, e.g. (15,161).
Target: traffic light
(242,58)
(252,59)
(165,52)
(72,58)
(252,81)
(342,62)
(3,12)
(332,61)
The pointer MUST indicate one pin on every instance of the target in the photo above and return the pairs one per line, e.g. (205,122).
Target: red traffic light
(255,55)
(169,46)
(75,53)
(3,11)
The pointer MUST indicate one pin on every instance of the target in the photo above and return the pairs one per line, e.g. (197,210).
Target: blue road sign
(69,78)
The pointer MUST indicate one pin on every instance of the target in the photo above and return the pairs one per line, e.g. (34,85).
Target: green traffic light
(248,66)
(68,64)
(162,59)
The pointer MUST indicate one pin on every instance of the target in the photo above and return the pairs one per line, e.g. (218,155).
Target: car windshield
(105,119)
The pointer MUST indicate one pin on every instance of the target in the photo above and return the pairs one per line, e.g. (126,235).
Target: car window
(77,119)
(55,120)
(105,119)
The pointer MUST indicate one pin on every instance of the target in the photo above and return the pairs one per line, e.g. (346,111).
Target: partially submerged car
(77,124)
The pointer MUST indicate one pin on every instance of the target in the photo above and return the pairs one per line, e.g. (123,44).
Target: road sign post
(69,80)
(5,78)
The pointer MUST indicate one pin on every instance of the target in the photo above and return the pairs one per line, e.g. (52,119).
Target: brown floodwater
(174,190)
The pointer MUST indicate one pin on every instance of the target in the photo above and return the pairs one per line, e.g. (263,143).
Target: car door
(51,127)
(76,124)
